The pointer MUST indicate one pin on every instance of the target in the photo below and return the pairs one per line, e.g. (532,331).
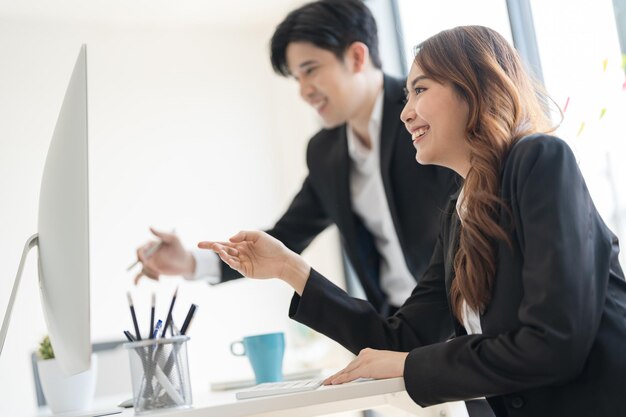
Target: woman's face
(436,117)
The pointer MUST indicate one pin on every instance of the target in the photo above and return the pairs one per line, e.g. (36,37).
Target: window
(422,19)
(583,70)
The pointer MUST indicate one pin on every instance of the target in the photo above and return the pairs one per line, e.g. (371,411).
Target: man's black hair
(328,24)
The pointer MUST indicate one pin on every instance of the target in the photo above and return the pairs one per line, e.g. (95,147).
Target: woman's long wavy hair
(505,104)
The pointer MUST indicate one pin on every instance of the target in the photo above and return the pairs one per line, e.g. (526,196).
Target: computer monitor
(63,232)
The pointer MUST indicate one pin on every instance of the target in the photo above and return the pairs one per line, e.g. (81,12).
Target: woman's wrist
(296,272)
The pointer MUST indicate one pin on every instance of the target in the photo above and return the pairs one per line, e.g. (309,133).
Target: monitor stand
(30,243)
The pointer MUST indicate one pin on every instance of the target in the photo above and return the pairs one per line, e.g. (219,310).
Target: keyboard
(277,388)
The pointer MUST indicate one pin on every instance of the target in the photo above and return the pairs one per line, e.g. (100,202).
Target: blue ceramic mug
(265,352)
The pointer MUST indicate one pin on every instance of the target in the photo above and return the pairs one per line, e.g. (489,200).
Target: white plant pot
(67,393)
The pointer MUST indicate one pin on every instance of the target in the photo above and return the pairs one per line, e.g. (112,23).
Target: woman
(524,267)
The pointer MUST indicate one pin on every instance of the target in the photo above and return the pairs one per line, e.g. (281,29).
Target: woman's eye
(310,70)
(419,90)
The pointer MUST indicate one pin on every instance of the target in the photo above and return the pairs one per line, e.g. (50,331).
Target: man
(363,176)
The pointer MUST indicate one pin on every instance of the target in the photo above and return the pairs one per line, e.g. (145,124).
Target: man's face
(327,83)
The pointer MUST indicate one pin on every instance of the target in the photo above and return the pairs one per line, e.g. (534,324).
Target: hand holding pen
(165,257)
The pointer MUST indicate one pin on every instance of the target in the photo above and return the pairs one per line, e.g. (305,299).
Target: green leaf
(45,349)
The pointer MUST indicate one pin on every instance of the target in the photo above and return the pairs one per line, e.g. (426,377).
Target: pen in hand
(148,254)
(151,251)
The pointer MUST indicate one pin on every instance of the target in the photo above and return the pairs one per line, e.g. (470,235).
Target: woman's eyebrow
(418,79)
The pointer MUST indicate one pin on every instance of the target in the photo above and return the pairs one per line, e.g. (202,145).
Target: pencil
(132,313)
(168,320)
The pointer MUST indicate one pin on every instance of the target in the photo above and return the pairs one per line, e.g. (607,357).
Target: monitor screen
(64,229)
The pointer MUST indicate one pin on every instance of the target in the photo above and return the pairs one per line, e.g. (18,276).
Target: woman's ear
(357,56)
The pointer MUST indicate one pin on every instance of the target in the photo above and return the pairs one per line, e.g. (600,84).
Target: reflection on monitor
(63,235)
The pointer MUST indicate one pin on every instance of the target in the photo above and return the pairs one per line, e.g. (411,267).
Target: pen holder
(160,374)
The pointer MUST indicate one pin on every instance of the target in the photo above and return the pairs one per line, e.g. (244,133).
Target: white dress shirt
(370,203)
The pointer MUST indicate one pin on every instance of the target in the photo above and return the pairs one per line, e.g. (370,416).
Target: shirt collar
(356,149)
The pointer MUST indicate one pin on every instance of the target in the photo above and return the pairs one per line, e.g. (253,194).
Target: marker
(190,314)
(132,313)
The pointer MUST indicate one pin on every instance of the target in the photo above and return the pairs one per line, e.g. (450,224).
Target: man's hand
(170,258)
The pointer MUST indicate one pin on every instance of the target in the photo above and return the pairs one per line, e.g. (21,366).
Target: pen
(190,313)
(132,313)
(148,254)
(129,336)
(185,328)
(168,320)
(152,317)
(156,329)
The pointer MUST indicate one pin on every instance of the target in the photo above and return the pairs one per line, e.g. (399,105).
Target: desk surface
(324,400)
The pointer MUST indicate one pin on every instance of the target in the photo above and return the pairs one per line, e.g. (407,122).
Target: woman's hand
(371,363)
(259,255)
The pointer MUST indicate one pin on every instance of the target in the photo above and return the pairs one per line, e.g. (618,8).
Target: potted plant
(64,393)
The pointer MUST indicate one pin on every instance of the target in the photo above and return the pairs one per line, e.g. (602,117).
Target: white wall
(189,129)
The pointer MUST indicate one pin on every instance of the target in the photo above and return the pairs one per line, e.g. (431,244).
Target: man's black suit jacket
(553,339)
(417,195)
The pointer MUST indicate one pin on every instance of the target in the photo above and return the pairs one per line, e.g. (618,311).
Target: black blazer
(554,333)
(417,195)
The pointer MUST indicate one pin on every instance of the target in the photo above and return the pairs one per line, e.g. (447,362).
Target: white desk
(325,400)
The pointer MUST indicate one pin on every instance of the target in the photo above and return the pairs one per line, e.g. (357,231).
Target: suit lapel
(392,106)
(452,248)
(451,231)
(340,180)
